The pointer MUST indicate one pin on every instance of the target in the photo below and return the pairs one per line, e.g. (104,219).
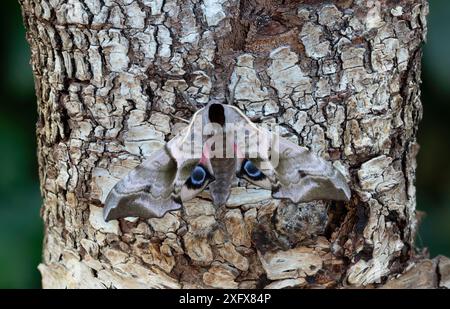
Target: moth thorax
(224,172)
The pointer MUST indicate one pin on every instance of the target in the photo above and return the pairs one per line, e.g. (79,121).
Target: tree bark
(341,77)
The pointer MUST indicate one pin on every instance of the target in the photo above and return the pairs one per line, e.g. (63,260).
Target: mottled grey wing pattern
(146,191)
(165,180)
(303,176)
(298,174)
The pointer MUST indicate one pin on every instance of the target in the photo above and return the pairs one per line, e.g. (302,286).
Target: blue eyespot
(251,170)
(198,175)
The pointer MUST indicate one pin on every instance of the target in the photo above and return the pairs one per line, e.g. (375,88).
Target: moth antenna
(230,97)
(179,118)
(191,104)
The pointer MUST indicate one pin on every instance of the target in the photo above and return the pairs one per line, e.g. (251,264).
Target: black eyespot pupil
(251,169)
(198,175)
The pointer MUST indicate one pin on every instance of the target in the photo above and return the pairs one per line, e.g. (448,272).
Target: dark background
(20,200)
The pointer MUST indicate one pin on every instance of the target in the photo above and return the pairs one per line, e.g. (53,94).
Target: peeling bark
(340,77)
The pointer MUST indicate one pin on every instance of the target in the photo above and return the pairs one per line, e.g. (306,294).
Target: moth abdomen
(224,171)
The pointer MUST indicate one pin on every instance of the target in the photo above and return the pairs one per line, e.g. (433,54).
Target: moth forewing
(304,176)
(187,193)
(231,136)
(190,143)
(145,191)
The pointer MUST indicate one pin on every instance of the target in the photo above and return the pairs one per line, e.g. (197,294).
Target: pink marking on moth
(237,153)
(205,156)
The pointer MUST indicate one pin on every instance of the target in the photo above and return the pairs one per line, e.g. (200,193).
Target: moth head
(216,114)
(224,114)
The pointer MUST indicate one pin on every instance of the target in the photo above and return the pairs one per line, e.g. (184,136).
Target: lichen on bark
(341,77)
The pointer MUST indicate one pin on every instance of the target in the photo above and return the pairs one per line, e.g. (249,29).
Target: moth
(219,144)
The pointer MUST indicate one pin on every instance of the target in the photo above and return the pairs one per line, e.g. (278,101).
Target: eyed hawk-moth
(221,143)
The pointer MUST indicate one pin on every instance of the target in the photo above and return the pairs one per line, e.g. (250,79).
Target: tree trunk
(341,78)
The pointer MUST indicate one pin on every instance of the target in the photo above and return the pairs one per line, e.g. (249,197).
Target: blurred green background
(20,223)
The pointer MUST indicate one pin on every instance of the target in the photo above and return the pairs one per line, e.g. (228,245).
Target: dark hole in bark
(310,279)
(399,223)
(265,239)
(392,216)
(150,94)
(365,254)
(262,281)
(64,118)
(262,240)
(362,217)
(336,214)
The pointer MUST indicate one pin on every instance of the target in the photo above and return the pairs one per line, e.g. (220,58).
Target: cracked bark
(342,78)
